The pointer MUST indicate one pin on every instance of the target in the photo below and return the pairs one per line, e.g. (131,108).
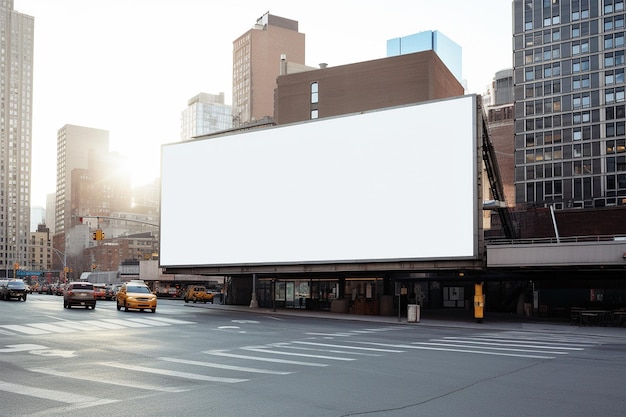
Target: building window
(614,95)
(314,114)
(615,40)
(579,65)
(611,6)
(314,93)
(614,58)
(580,47)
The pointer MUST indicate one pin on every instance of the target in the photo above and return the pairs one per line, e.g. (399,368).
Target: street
(198,360)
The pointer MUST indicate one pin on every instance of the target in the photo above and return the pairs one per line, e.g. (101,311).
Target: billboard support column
(254,303)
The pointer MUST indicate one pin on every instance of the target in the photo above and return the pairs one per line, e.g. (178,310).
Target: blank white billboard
(389,185)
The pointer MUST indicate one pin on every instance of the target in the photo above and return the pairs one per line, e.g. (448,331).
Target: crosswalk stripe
(287,345)
(228,367)
(304,355)
(259,358)
(454,345)
(67,326)
(534,342)
(98,379)
(49,394)
(176,374)
(171,321)
(354,347)
(103,325)
(125,323)
(479,352)
(534,346)
(150,322)
(75,325)
(25,329)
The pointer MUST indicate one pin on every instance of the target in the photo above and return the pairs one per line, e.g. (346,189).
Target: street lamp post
(64,260)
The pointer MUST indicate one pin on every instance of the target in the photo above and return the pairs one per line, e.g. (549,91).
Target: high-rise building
(16,95)
(205,113)
(499,110)
(570,148)
(257,56)
(448,51)
(75,144)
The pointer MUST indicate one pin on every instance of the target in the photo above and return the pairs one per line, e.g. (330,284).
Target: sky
(130,66)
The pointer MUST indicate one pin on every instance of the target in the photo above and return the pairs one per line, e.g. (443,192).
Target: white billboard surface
(389,185)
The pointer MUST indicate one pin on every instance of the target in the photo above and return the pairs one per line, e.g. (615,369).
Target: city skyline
(135,80)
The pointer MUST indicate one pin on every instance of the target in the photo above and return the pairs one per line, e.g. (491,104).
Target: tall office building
(448,51)
(570,148)
(16,92)
(205,113)
(257,56)
(75,144)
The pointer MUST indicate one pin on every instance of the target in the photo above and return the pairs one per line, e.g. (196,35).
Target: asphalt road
(192,360)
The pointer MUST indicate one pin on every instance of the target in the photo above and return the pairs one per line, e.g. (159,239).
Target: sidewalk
(439,318)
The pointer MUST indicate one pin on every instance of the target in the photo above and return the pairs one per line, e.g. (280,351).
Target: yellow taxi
(197,293)
(136,295)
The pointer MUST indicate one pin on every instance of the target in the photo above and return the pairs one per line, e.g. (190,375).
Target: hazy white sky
(129,66)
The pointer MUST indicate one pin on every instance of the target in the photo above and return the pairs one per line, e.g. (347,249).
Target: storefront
(362,294)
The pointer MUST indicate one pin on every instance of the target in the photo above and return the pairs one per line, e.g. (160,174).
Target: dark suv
(14,288)
(79,294)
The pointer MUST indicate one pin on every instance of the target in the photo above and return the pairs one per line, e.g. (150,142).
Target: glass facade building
(447,50)
(570,148)
(205,113)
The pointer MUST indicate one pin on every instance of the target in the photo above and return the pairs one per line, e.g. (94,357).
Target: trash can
(413,313)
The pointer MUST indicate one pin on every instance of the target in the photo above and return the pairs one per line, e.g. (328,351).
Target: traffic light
(97,235)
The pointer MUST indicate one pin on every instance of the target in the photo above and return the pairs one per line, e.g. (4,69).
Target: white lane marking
(330,334)
(96,378)
(228,327)
(103,325)
(51,327)
(454,345)
(54,395)
(171,321)
(75,325)
(150,322)
(229,367)
(176,374)
(304,355)
(525,340)
(356,347)
(479,352)
(503,343)
(124,323)
(287,345)
(53,352)
(25,329)
(258,358)
(245,321)
(556,337)
(21,348)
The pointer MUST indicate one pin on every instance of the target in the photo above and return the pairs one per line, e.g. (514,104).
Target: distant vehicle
(198,293)
(14,288)
(136,295)
(100,291)
(114,289)
(79,294)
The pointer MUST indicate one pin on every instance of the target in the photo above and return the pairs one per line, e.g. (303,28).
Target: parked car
(14,288)
(198,293)
(135,294)
(79,294)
